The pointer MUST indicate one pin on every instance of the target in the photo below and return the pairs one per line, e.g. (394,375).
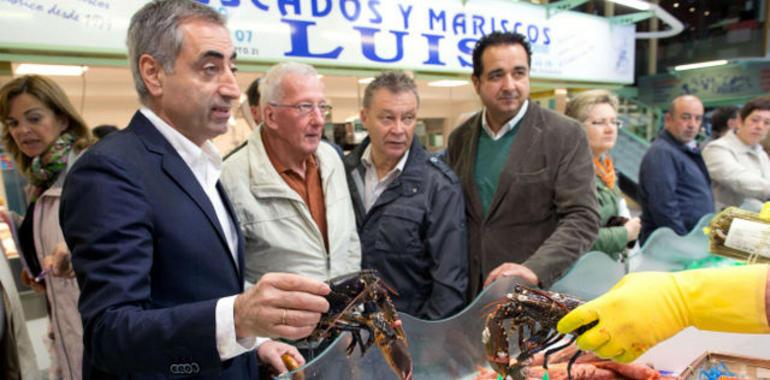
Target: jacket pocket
(529,198)
(540,175)
(399,230)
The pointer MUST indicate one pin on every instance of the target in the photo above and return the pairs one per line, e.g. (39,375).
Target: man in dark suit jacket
(526,172)
(154,240)
(674,183)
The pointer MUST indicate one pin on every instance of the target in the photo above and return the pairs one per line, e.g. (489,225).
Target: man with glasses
(738,165)
(289,190)
(674,184)
(409,205)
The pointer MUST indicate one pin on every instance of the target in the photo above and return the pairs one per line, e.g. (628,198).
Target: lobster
(534,315)
(359,302)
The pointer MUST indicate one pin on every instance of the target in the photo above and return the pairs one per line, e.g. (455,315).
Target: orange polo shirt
(310,188)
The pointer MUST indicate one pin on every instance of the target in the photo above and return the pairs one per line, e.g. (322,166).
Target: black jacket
(415,234)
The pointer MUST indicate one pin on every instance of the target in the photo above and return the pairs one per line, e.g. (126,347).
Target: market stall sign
(424,35)
(713,84)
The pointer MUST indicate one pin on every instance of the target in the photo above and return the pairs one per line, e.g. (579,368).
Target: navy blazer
(675,187)
(151,261)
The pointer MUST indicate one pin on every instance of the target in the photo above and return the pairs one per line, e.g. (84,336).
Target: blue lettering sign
(458,22)
(316,11)
(299,42)
(532,29)
(547,36)
(368,48)
(433,49)
(259,5)
(356,10)
(405,14)
(466,47)
(504,25)
(478,25)
(437,17)
(282,4)
(374,7)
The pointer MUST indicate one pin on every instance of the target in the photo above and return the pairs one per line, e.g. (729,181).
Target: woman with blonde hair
(597,111)
(44,134)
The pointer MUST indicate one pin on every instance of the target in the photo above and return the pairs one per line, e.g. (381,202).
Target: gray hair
(270,85)
(394,81)
(154,30)
(580,106)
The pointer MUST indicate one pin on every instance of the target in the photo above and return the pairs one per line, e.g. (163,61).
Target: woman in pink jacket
(44,134)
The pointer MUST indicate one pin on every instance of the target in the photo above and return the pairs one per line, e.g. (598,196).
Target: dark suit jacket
(544,212)
(674,185)
(151,260)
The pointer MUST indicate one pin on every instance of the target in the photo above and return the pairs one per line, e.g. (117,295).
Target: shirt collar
(366,158)
(509,126)
(191,154)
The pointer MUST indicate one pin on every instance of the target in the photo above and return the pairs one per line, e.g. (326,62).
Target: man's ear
(152,74)
(268,117)
(364,118)
(476,83)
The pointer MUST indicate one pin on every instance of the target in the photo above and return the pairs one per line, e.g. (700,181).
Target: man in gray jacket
(526,173)
(288,189)
(409,205)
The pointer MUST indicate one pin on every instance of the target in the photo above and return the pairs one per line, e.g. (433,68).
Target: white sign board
(424,35)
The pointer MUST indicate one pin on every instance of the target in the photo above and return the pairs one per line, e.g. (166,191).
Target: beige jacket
(738,171)
(62,293)
(280,233)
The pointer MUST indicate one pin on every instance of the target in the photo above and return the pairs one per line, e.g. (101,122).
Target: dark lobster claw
(397,355)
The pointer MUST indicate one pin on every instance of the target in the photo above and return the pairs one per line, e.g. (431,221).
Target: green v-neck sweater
(491,156)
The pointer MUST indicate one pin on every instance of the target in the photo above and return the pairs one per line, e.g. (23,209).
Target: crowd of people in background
(151,265)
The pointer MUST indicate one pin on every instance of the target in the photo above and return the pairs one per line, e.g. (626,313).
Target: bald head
(684,118)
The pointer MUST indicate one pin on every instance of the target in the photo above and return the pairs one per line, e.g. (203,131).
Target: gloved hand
(646,308)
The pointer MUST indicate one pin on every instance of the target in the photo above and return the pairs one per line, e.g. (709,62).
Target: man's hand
(271,351)
(280,305)
(511,269)
(59,262)
(27,279)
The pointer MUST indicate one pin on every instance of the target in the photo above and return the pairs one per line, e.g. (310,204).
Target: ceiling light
(692,9)
(636,4)
(52,70)
(676,5)
(448,83)
(706,13)
(366,80)
(700,65)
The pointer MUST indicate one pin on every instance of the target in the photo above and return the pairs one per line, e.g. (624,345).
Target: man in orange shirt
(286,186)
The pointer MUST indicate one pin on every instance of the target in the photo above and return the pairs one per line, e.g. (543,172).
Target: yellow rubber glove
(646,308)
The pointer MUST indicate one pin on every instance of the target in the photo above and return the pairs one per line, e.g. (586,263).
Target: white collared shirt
(507,126)
(206,165)
(374,186)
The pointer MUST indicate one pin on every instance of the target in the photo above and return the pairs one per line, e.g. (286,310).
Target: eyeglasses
(601,123)
(306,108)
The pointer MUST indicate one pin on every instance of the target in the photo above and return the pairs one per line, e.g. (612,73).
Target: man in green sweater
(526,171)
